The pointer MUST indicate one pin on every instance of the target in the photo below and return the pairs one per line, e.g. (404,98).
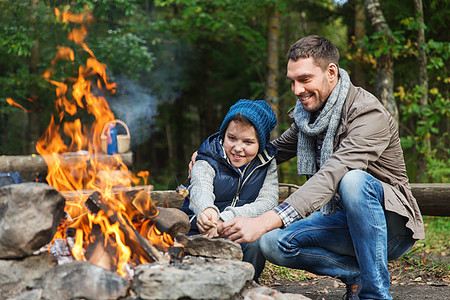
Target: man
(356,210)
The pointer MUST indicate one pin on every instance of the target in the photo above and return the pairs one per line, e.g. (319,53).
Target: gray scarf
(327,121)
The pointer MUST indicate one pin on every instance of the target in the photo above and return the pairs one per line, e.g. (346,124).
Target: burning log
(145,205)
(98,251)
(168,220)
(136,241)
(172,221)
(176,253)
(160,198)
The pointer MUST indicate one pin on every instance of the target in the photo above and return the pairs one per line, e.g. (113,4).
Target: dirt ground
(405,285)
(326,288)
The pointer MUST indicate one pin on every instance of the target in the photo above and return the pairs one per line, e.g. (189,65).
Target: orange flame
(156,237)
(14,103)
(71,149)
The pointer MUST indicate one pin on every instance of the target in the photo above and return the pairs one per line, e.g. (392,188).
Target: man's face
(310,83)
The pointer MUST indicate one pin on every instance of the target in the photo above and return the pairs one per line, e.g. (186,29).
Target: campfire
(114,230)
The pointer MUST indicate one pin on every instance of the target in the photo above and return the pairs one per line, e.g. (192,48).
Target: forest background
(180,64)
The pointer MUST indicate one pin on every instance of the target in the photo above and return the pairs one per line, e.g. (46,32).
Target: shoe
(352,291)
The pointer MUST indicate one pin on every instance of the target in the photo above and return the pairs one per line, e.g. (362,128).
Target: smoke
(134,105)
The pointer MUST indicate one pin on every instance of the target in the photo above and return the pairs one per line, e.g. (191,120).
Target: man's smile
(305,97)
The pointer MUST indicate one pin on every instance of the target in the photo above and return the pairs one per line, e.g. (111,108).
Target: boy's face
(310,83)
(240,143)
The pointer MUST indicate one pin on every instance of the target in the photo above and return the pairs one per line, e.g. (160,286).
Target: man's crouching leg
(319,244)
(363,199)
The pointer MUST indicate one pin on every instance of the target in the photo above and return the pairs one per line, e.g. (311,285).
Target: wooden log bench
(30,166)
(433,198)
(36,163)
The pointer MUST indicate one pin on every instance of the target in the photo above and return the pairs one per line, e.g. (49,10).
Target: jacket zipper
(240,186)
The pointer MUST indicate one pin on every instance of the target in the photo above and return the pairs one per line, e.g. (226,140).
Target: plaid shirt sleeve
(287,213)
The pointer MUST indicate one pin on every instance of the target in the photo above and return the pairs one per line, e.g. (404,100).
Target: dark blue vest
(231,187)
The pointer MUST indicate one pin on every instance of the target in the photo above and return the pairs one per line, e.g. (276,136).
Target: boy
(235,174)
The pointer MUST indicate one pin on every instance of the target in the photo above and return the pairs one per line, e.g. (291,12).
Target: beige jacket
(366,139)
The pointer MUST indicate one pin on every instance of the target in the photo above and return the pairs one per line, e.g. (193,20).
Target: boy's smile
(240,143)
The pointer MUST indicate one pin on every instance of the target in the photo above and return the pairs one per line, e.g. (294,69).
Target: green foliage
(437,239)
(424,128)
(429,121)
(16,40)
(16,35)
(220,21)
(379,44)
(273,272)
(430,255)
(125,53)
(287,172)
(106,9)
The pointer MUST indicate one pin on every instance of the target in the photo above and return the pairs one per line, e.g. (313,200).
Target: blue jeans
(353,244)
(254,256)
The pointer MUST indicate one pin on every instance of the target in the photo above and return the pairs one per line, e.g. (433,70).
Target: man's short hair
(322,51)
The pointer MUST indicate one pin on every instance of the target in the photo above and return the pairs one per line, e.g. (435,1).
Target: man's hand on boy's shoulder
(246,230)
(191,163)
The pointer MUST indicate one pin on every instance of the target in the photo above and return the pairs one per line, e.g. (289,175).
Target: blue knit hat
(259,113)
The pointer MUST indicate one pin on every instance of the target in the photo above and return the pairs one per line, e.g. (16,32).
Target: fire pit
(209,268)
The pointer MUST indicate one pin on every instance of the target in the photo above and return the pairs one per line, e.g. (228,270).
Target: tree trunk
(3,127)
(358,73)
(384,81)
(273,32)
(422,55)
(422,81)
(360,18)
(34,115)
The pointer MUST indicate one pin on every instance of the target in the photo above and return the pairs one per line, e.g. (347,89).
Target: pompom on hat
(259,113)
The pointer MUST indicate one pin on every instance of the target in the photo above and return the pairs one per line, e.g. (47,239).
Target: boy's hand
(207,220)
(212,233)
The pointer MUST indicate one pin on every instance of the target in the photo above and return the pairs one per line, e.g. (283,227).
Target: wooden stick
(183,192)
(202,211)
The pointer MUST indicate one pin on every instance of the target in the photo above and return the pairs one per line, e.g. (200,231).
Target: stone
(29,295)
(83,280)
(29,217)
(16,276)
(198,245)
(192,279)
(266,293)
